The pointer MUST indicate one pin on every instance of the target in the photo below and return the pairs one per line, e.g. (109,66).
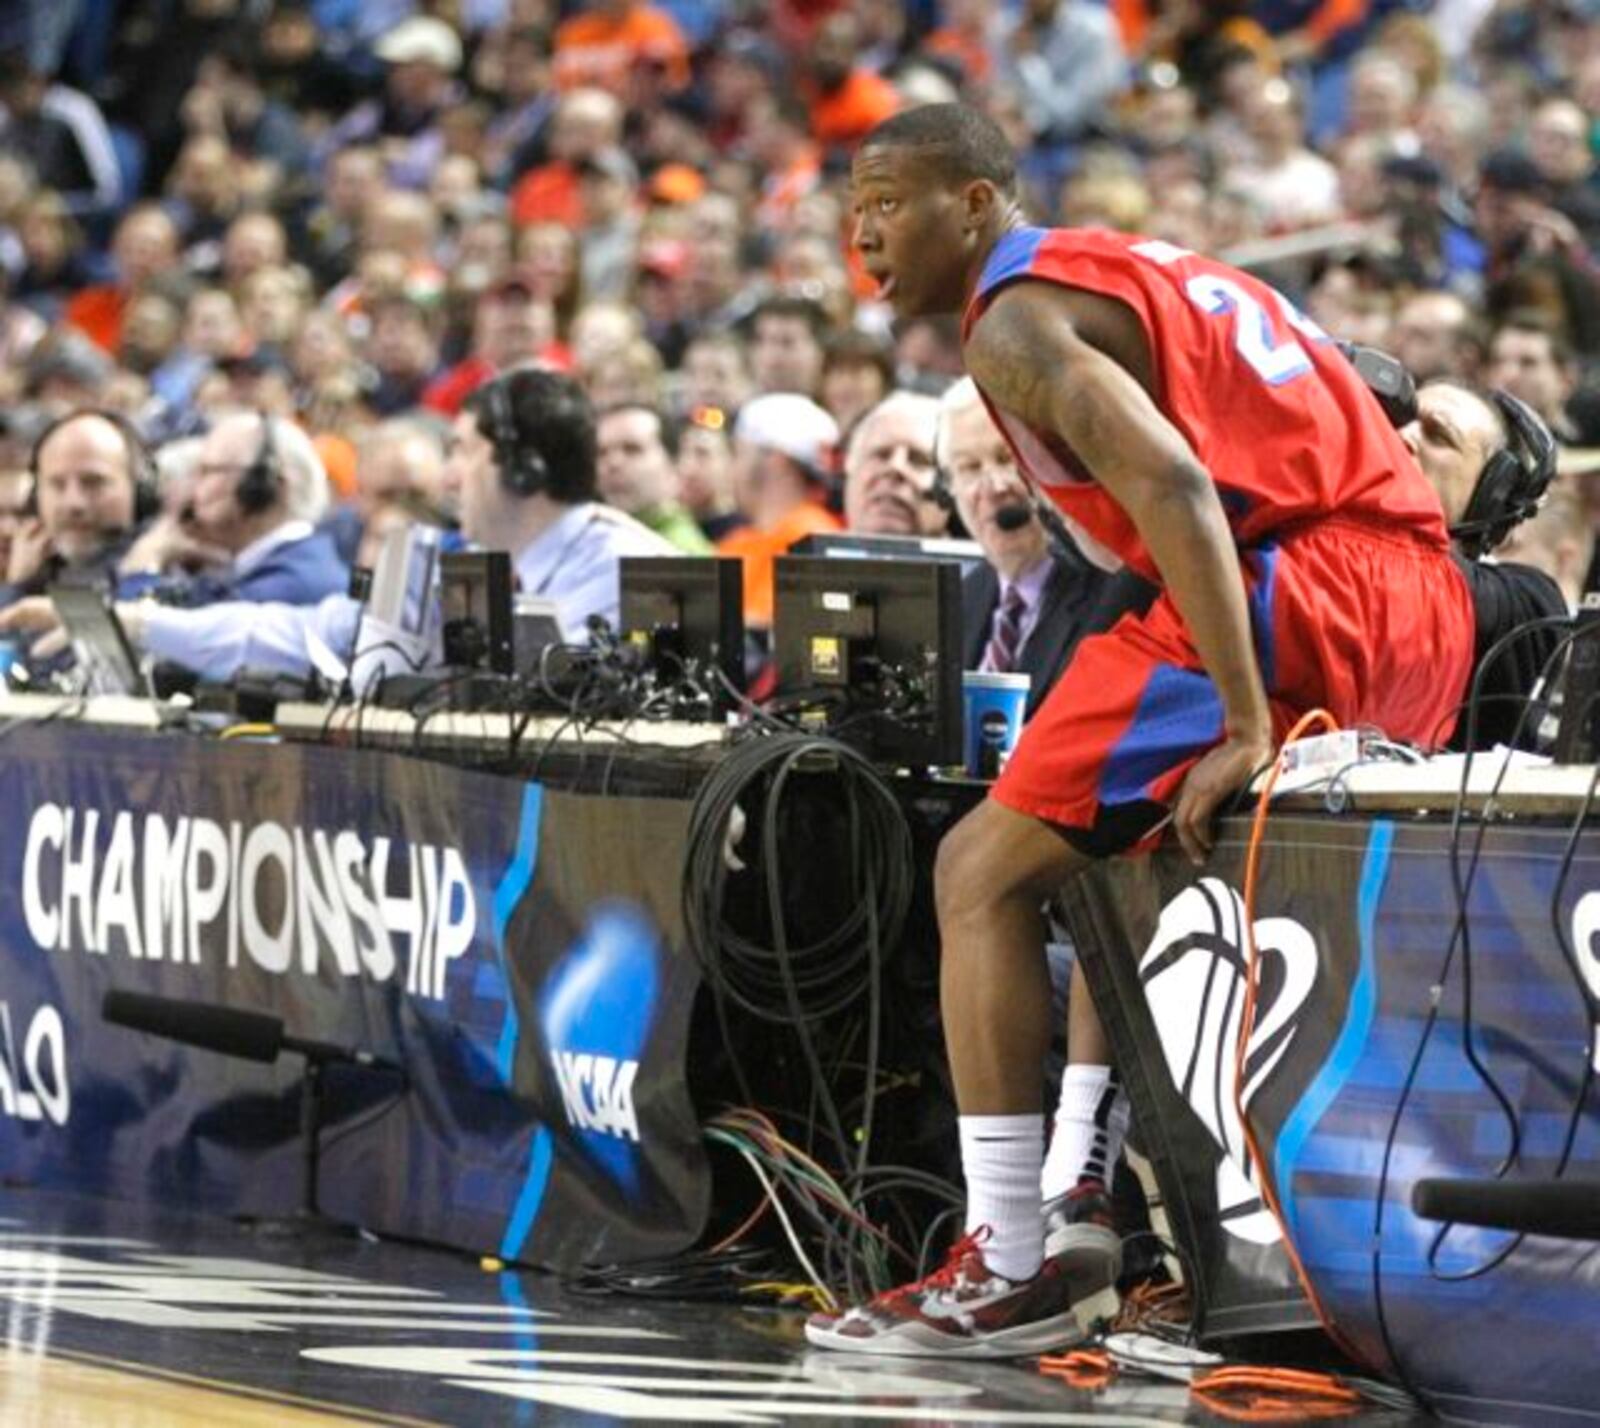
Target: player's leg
(996,868)
(996,1296)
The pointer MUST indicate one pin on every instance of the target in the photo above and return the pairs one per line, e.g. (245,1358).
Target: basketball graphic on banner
(1193,975)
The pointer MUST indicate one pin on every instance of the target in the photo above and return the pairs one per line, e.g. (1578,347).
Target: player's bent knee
(993,855)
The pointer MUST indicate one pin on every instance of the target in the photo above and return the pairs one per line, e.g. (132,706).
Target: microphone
(1013,518)
(230,1031)
(1567,1209)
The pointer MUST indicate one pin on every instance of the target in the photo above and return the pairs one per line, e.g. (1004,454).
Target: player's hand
(1222,772)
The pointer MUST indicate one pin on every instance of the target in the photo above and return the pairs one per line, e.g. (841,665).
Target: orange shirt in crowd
(758,549)
(97,313)
(863,101)
(599,50)
(548,194)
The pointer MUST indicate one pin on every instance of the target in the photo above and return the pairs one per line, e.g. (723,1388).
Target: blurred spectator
(705,469)
(857,374)
(404,352)
(889,469)
(226,101)
(1535,254)
(144,246)
(716,372)
(611,41)
(54,261)
(1530,358)
(327,238)
(1065,61)
(845,98)
(61,133)
(1435,335)
(607,181)
(518,75)
(1296,187)
(399,467)
(637,474)
(512,325)
(585,122)
(786,352)
(785,449)
(203,191)
(422,55)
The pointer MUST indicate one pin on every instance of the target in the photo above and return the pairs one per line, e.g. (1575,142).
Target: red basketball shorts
(1375,628)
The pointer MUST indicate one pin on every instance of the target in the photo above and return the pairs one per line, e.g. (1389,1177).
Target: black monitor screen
(475,601)
(877,643)
(687,612)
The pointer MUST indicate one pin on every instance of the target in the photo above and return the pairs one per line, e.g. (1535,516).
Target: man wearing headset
(522,454)
(1026,607)
(1490,458)
(249,532)
(90,488)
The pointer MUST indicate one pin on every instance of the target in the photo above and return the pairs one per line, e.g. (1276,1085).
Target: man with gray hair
(249,530)
(888,469)
(1025,608)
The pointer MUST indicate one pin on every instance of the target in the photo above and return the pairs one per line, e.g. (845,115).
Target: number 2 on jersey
(1274,361)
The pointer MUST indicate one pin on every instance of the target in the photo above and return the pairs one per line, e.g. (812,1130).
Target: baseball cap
(421,40)
(792,425)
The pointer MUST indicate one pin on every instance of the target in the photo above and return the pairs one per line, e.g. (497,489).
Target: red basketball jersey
(1274,411)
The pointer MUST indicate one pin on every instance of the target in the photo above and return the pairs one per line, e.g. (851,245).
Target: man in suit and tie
(1027,606)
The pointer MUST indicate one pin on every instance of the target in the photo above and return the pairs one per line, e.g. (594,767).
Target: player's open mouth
(886,285)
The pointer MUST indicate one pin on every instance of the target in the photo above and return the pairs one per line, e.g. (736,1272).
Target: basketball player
(1191,425)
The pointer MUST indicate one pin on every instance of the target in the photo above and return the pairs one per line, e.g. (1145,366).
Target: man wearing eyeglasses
(1028,605)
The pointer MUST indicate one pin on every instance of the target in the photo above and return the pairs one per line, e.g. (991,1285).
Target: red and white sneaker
(1081,1239)
(963,1310)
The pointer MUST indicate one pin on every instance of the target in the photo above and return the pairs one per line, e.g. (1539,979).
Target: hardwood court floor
(117,1316)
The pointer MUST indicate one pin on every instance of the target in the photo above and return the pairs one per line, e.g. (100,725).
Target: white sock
(1091,1124)
(1000,1156)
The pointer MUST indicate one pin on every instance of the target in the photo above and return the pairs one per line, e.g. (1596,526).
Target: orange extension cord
(1247,1020)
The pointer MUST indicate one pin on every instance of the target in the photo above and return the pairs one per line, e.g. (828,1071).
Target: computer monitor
(880,642)
(685,612)
(101,644)
(848,544)
(475,602)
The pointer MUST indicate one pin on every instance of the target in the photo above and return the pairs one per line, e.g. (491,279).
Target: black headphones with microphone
(522,467)
(261,482)
(141,465)
(1513,482)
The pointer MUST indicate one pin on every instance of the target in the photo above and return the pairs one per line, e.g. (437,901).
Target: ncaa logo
(1193,975)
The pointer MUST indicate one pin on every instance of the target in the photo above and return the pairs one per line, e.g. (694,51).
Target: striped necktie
(1006,636)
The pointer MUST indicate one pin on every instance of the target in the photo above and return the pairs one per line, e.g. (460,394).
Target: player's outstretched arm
(1066,361)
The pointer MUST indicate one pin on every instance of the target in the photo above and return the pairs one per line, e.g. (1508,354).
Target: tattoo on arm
(1028,356)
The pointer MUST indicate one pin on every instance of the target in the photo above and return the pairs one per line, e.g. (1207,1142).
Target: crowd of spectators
(347,215)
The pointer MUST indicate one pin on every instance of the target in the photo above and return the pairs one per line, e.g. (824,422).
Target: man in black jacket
(1490,458)
(1027,606)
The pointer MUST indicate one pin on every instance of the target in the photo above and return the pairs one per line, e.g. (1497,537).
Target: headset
(141,465)
(1511,486)
(1513,482)
(261,482)
(522,467)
